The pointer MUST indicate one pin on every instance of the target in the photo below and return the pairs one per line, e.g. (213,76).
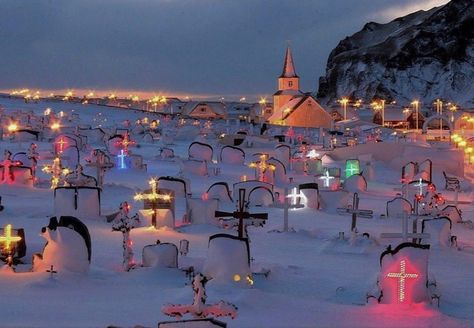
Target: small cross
(401,276)
(351,169)
(241,214)
(367,214)
(8,239)
(326,178)
(261,167)
(420,184)
(61,144)
(121,157)
(52,271)
(294,196)
(153,196)
(405,234)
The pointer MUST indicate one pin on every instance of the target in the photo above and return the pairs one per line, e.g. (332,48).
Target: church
(291,107)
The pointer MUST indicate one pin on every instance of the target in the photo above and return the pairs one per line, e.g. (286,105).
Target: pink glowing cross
(401,276)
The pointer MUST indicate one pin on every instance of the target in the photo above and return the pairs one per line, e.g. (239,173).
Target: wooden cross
(241,214)
(52,271)
(405,234)
(366,214)
(8,240)
(153,197)
(102,163)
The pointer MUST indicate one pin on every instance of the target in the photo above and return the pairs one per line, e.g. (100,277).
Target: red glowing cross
(401,276)
(126,142)
(61,144)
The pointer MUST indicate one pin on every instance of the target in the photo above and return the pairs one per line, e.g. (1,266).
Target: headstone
(68,246)
(228,259)
(403,275)
(83,202)
(160,255)
(439,230)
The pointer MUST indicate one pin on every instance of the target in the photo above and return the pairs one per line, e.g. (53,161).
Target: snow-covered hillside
(425,55)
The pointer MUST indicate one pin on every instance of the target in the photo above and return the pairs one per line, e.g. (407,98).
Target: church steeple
(288,83)
(289,66)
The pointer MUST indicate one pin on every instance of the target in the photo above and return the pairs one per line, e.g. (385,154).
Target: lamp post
(415,104)
(439,110)
(406,111)
(262,102)
(383,112)
(344,102)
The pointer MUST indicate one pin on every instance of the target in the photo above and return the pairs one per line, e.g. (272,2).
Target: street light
(416,103)
(406,111)
(439,110)
(344,102)
(383,112)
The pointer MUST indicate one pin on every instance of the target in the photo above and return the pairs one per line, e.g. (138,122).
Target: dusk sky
(231,48)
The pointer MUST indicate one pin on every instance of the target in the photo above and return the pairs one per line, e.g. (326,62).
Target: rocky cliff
(425,55)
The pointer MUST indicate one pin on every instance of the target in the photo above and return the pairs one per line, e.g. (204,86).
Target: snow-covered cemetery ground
(312,272)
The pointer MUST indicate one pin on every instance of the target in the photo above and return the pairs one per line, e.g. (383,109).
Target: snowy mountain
(424,55)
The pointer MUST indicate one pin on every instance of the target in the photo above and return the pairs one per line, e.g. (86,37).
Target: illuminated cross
(294,196)
(420,184)
(312,154)
(352,167)
(56,170)
(7,163)
(125,143)
(61,143)
(121,158)
(153,197)
(401,276)
(326,178)
(261,167)
(8,241)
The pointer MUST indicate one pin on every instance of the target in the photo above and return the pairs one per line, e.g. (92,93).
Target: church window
(290,83)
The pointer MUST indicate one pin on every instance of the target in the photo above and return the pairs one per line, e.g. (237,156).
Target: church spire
(289,67)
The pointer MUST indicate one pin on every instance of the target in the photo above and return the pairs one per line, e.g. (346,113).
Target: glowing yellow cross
(261,167)
(153,194)
(401,276)
(7,239)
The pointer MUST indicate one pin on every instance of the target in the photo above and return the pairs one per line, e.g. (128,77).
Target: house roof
(217,107)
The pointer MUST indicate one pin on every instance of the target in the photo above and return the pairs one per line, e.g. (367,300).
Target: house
(292,107)
(238,110)
(205,110)
(398,118)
